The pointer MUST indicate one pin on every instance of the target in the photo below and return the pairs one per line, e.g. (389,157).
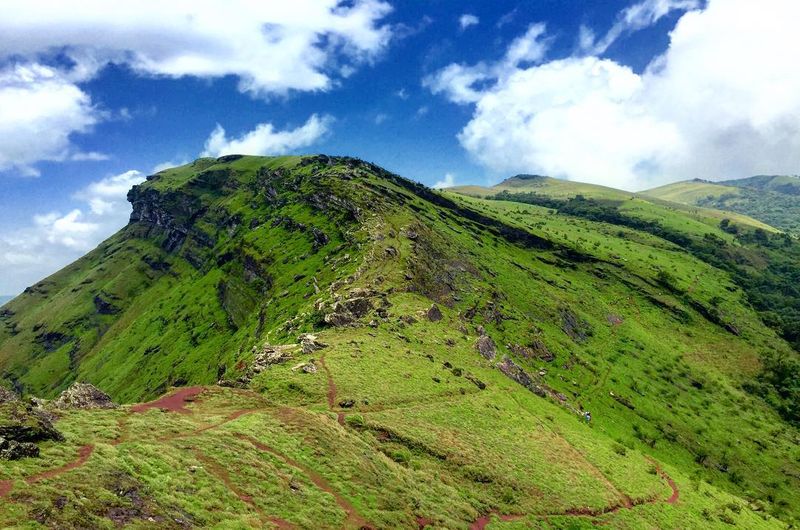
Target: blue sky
(624,93)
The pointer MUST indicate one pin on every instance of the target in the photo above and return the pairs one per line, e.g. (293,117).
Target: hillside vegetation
(772,199)
(457,342)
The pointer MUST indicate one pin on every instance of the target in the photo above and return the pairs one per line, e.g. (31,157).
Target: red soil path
(354,520)
(83,455)
(222,474)
(5,487)
(175,402)
(331,391)
(626,504)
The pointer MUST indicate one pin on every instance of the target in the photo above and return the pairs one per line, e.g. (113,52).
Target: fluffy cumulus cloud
(53,239)
(265,140)
(39,110)
(271,47)
(722,101)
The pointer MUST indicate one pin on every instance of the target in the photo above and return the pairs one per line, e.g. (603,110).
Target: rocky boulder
(7,395)
(515,372)
(21,422)
(83,396)
(14,450)
(309,343)
(486,347)
(434,314)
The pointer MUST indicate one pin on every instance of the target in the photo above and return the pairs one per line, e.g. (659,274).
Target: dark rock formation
(486,347)
(14,450)
(515,372)
(434,314)
(83,396)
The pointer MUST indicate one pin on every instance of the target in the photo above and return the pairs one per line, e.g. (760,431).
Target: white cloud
(380,118)
(273,48)
(169,164)
(722,101)
(633,18)
(265,140)
(39,110)
(459,81)
(53,239)
(448,182)
(466,20)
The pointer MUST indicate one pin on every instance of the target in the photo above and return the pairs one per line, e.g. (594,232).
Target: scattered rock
(13,450)
(347,403)
(7,395)
(104,307)
(536,350)
(21,422)
(309,343)
(434,314)
(614,320)
(308,368)
(477,382)
(83,396)
(578,329)
(267,356)
(515,372)
(486,347)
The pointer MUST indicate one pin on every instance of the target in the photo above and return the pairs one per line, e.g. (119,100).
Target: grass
(435,430)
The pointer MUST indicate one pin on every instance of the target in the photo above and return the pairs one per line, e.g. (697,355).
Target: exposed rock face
(486,347)
(309,343)
(578,329)
(434,314)
(347,311)
(515,372)
(13,450)
(536,350)
(309,368)
(7,395)
(21,423)
(83,396)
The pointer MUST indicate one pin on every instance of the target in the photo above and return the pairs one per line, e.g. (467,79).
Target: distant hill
(774,200)
(656,206)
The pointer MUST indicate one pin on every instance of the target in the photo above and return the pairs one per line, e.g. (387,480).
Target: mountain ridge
(409,335)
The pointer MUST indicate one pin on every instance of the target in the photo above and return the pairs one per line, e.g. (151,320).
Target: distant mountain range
(774,200)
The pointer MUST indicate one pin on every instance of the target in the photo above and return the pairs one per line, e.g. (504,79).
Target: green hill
(5,299)
(458,342)
(774,200)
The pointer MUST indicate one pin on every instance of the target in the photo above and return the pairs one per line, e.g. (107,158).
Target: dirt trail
(354,520)
(216,469)
(5,487)
(331,391)
(84,452)
(83,455)
(626,504)
(175,402)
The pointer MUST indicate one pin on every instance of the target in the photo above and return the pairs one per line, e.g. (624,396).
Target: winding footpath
(177,402)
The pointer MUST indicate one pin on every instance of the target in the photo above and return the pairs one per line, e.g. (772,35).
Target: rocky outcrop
(486,347)
(434,314)
(578,329)
(535,350)
(348,310)
(21,425)
(83,396)
(515,372)
(309,343)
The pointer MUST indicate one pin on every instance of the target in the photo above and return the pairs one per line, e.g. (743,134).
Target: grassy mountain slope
(659,204)
(774,200)
(443,420)
(5,299)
